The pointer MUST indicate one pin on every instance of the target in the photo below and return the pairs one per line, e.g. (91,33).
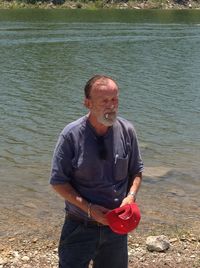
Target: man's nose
(110,105)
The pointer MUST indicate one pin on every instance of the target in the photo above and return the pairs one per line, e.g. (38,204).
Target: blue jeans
(80,243)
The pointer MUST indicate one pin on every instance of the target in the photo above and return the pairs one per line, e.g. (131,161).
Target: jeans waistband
(86,222)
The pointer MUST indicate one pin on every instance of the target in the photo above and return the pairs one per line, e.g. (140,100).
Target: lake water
(45,59)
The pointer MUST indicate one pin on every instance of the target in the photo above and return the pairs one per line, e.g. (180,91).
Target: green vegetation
(98,4)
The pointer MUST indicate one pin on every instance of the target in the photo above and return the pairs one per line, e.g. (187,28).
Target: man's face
(103,102)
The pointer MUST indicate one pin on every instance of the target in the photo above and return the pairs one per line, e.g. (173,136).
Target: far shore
(98,4)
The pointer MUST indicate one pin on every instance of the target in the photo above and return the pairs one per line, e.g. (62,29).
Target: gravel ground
(29,243)
(28,252)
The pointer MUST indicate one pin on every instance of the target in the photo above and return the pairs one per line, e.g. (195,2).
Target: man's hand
(134,188)
(98,214)
(128,200)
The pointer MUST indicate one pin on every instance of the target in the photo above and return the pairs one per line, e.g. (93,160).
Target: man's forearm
(71,195)
(134,187)
(137,180)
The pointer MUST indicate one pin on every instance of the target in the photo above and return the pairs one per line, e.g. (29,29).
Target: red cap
(124,219)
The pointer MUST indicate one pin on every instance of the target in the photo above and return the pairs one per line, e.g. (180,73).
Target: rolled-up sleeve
(62,162)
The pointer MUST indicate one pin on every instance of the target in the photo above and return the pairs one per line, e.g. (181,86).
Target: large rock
(157,243)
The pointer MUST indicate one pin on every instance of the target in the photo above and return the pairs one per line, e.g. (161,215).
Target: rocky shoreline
(36,251)
(107,4)
(27,242)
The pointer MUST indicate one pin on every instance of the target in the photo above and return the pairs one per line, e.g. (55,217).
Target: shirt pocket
(121,167)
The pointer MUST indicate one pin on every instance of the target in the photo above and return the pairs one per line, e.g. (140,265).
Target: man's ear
(87,103)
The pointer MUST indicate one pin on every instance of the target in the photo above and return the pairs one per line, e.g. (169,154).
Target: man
(96,167)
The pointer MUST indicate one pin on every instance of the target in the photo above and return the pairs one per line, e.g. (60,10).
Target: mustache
(111,110)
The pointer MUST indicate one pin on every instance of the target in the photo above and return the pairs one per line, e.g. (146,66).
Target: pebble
(11,239)
(2,261)
(25,258)
(30,205)
(15,254)
(173,240)
(34,240)
(179,260)
(183,238)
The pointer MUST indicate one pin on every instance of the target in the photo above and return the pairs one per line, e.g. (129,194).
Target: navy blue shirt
(100,181)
